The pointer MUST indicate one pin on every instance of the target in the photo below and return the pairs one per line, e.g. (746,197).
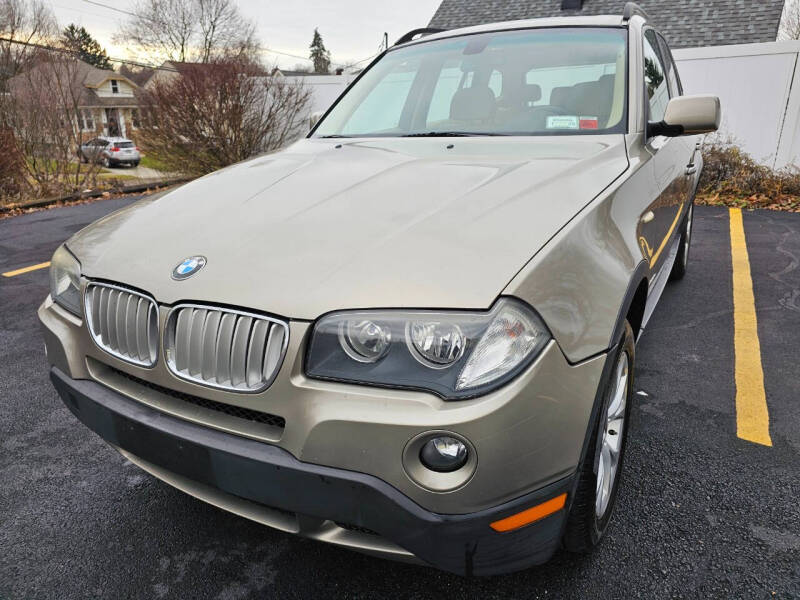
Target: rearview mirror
(688,115)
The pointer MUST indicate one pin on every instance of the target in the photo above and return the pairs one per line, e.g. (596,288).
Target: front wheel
(600,472)
(682,259)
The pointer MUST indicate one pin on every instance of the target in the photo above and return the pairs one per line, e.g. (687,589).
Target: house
(168,71)
(324,88)
(171,69)
(105,101)
(685,23)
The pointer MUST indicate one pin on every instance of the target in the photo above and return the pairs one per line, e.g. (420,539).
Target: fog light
(443,454)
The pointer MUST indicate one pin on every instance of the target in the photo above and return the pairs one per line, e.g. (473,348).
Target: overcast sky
(352,29)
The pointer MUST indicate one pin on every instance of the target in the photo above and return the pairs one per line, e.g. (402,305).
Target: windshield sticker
(588,122)
(562,122)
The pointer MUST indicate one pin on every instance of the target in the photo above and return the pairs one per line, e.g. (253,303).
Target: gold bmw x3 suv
(413,332)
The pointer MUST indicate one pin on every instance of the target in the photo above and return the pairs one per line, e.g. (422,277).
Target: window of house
(655,78)
(86,119)
(114,86)
(135,118)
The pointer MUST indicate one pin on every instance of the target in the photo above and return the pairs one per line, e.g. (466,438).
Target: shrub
(731,177)
(208,116)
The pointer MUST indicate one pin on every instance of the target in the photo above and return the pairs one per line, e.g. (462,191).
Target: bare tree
(25,22)
(790,23)
(189,30)
(41,124)
(224,29)
(220,113)
(138,75)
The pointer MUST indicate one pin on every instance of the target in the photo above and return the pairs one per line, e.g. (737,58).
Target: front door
(670,157)
(113,123)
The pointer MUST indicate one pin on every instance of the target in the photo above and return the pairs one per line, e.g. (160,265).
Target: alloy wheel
(611,445)
(687,238)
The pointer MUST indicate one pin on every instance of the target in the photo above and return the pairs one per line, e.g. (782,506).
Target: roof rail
(631,9)
(415,32)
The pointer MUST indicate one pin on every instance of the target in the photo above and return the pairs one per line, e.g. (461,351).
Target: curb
(125,189)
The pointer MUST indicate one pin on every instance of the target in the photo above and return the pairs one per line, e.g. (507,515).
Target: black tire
(82,158)
(105,162)
(135,164)
(682,259)
(585,529)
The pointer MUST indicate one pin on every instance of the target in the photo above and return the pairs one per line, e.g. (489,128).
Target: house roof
(95,77)
(685,23)
(81,77)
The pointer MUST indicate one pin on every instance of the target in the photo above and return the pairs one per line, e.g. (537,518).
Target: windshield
(552,81)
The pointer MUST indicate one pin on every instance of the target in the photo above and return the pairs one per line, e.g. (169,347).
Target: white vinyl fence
(325,89)
(759,87)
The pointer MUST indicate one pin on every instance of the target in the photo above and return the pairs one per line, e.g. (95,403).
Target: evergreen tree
(319,54)
(87,48)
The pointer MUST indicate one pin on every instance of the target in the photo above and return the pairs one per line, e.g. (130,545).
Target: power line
(114,8)
(261,49)
(77,54)
(336,64)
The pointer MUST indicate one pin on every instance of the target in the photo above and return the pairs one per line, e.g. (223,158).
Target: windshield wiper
(454,134)
(441,134)
(327,137)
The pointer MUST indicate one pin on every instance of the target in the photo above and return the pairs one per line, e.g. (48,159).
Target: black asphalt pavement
(701,513)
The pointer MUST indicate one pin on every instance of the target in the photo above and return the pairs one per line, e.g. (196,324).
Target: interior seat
(475,105)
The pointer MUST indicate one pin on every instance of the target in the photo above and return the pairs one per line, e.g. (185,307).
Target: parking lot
(702,512)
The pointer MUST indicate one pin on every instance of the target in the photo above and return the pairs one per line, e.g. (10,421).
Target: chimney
(571,4)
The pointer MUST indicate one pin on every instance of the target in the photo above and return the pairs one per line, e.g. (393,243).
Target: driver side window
(655,79)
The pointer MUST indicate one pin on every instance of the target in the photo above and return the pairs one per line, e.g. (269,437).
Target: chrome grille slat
(183,333)
(119,323)
(130,326)
(195,359)
(122,322)
(224,348)
(239,352)
(210,345)
(255,352)
(274,353)
(224,344)
(141,328)
(111,320)
(102,315)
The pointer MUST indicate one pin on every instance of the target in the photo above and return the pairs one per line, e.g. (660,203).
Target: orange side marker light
(531,515)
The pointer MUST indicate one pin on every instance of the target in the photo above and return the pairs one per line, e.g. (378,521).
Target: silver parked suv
(412,333)
(110,152)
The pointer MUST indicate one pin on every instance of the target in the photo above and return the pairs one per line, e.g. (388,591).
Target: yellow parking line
(27,269)
(752,415)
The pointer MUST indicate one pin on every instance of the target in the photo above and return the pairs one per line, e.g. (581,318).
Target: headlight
(453,354)
(65,280)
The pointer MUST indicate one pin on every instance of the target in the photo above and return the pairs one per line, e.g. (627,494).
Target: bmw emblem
(188,267)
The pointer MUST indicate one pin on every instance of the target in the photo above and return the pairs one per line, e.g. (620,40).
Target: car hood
(335,224)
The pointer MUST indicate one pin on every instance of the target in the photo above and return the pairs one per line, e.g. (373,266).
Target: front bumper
(336,505)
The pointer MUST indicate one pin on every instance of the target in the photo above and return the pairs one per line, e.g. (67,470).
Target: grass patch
(152,162)
(106,176)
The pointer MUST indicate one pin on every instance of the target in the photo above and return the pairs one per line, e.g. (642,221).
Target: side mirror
(688,115)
